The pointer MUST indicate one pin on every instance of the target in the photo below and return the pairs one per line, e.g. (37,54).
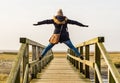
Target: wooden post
(70,51)
(42,64)
(17,80)
(87,72)
(97,61)
(26,61)
(41,49)
(34,69)
(71,58)
(38,54)
(110,77)
(81,64)
(76,62)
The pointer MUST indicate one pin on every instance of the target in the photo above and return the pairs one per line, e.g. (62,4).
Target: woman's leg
(47,49)
(70,45)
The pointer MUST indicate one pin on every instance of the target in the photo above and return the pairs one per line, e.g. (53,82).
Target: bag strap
(61,29)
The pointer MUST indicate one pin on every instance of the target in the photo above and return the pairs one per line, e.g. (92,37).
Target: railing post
(42,62)
(76,62)
(34,68)
(41,49)
(26,61)
(110,77)
(97,61)
(87,72)
(81,64)
(39,65)
(17,80)
(72,53)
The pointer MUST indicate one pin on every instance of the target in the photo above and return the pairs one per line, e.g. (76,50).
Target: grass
(115,58)
(6,61)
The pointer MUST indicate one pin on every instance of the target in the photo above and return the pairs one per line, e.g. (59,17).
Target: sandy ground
(6,61)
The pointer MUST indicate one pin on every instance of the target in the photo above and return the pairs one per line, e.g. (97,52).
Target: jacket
(58,21)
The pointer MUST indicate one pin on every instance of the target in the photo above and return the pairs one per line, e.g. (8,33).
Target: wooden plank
(38,55)
(34,57)
(60,71)
(26,61)
(89,63)
(30,42)
(25,78)
(111,66)
(110,78)
(81,64)
(98,63)
(87,72)
(60,81)
(16,65)
(98,74)
(92,41)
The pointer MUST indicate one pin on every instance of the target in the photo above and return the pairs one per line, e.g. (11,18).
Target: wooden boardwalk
(60,70)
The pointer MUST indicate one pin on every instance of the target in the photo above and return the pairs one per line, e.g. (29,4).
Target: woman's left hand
(35,24)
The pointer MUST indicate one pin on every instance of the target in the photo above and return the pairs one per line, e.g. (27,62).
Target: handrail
(86,62)
(113,75)
(33,63)
(91,41)
(15,68)
(30,42)
(23,57)
(108,61)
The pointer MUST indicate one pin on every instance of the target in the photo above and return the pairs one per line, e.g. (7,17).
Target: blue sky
(17,17)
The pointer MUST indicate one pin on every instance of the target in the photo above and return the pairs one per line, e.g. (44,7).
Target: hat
(60,12)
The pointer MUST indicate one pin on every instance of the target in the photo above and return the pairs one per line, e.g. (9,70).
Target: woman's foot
(81,57)
(40,57)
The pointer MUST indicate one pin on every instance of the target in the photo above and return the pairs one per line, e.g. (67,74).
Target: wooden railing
(28,65)
(84,65)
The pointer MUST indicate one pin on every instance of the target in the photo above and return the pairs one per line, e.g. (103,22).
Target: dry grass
(115,58)
(6,61)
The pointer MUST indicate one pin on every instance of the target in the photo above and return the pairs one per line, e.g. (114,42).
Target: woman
(60,22)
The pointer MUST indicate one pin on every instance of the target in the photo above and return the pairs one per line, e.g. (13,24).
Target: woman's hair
(59,12)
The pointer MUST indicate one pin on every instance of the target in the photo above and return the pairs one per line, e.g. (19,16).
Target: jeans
(68,43)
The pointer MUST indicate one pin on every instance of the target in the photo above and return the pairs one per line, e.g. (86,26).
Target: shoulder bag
(54,39)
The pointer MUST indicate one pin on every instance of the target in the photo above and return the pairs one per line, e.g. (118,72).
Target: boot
(81,57)
(40,57)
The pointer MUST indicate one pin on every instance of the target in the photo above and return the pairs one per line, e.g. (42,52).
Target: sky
(18,16)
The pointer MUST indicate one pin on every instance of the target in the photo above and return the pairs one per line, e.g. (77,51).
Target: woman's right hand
(35,24)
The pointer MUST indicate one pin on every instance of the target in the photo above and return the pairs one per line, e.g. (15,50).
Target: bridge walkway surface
(60,70)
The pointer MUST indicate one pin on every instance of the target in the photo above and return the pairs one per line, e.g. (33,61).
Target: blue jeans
(68,43)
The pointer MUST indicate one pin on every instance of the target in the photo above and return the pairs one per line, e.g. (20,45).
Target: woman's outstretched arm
(76,23)
(44,22)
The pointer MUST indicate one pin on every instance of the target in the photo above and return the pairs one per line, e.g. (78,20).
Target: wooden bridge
(28,68)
